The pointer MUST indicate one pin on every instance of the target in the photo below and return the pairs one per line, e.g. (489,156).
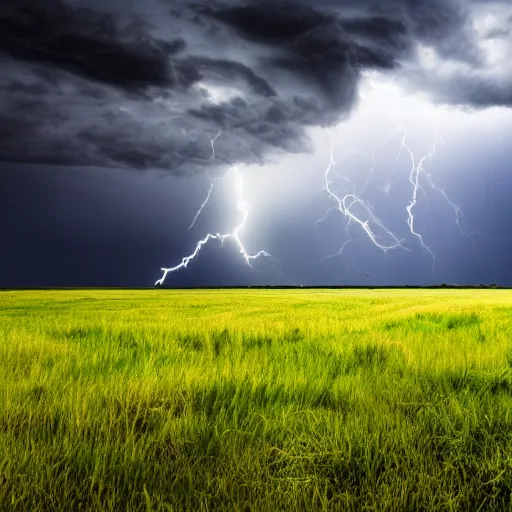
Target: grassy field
(261,400)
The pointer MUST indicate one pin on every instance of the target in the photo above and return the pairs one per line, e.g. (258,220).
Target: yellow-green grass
(256,400)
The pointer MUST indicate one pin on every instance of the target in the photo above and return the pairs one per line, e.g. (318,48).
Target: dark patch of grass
(257,341)
(461,321)
(244,398)
(462,380)
(195,342)
(373,357)
(436,322)
(509,358)
(219,341)
(80,333)
(497,384)
(293,335)
(36,393)
(447,321)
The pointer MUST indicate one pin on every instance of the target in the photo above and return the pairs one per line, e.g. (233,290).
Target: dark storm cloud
(146,85)
(89,44)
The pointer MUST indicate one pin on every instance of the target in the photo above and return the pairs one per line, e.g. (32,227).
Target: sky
(258,142)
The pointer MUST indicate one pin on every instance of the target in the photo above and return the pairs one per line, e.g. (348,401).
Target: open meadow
(256,400)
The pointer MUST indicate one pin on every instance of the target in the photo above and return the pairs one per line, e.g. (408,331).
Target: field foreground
(256,400)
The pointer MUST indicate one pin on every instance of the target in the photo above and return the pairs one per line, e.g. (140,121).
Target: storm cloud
(115,84)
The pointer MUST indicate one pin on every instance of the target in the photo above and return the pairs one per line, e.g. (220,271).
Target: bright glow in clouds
(220,94)
(384,117)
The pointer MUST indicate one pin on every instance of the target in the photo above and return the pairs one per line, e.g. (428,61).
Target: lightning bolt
(345,204)
(418,171)
(212,183)
(365,219)
(357,212)
(414,179)
(234,235)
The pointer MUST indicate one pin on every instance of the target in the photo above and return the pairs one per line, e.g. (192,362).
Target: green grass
(389,400)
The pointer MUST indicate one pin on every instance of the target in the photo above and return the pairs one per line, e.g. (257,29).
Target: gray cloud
(112,84)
